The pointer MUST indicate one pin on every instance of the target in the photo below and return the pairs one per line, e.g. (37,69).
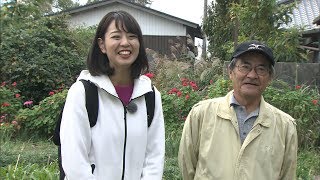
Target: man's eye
(261,68)
(245,66)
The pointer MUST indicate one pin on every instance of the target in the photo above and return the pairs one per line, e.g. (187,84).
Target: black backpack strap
(92,104)
(150,103)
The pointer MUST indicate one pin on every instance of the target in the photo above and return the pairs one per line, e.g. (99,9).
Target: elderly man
(240,136)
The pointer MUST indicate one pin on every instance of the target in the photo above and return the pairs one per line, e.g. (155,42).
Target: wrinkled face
(246,82)
(121,47)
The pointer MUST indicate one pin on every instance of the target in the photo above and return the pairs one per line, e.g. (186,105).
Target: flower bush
(177,102)
(11,102)
(41,119)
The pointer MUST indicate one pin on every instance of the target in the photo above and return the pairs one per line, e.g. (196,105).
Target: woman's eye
(132,36)
(115,37)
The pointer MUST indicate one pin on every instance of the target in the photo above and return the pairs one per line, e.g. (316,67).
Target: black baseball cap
(251,46)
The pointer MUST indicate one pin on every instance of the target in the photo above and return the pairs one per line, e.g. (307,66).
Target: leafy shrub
(178,102)
(308,164)
(219,88)
(41,119)
(302,103)
(40,53)
(10,102)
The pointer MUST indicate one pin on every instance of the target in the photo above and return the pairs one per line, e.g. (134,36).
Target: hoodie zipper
(125,142)
(125,133)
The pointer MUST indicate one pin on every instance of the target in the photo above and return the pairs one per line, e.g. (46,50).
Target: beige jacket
(210,146)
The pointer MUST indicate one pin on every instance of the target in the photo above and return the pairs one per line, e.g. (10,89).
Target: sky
(190,10)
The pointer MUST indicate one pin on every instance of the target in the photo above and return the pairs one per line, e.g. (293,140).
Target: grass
(37,159)
(17,151)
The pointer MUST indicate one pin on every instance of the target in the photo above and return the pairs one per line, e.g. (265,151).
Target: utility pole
(204,42)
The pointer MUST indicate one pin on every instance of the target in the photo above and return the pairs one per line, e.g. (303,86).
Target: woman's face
(121,47)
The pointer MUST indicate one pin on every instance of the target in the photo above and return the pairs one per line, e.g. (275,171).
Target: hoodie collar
(142,85)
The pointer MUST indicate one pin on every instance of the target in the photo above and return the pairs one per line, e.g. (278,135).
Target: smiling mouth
(126,52)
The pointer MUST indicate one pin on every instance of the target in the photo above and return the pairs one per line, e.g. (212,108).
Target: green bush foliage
(302,103)
(41,119)
(38,52)
(177,102)
(10,102)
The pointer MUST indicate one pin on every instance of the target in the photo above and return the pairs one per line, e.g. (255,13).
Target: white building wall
(149,23)
(305,12)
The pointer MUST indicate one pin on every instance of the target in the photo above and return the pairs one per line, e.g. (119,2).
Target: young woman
(121,145)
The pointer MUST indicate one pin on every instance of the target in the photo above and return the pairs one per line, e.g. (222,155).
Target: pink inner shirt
(124,93)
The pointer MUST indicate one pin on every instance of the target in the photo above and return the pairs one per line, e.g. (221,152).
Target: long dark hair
(98,63)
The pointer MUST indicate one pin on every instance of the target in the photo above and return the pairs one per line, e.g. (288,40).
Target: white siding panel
(149,23)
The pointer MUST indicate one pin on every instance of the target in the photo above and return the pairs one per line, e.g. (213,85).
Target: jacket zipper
(125,143)
(125,133)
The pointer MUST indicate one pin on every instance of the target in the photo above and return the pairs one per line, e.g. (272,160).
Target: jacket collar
(142,85)
(226,111)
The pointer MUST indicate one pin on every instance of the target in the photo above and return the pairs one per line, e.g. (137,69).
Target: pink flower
(27,103)
(211,81)
(14,84)
(51,93)
(179,93)
(3,84)
(17,95)
(298,87)
(5,104)
(14,122)
(314,101)
(149,75)
(187,96)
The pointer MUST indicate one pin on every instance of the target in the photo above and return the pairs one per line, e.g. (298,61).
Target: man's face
(248,83)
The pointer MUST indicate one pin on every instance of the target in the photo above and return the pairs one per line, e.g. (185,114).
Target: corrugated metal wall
(156,30)
(149,23)
(305,12)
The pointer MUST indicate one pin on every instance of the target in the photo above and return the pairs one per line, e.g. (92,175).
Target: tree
(233,21)
(218,27)
(38,52)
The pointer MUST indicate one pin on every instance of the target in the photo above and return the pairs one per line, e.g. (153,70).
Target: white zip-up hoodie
(120,145)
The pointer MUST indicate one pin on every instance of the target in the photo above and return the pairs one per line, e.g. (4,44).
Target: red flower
(211,81)
(17,95)
(193,85)
(314,101)
(187,96)
(173,91)
(298,87)
(149,75)
(14,84)
(179,93)
(5,104)
(51,93)
(185,81)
